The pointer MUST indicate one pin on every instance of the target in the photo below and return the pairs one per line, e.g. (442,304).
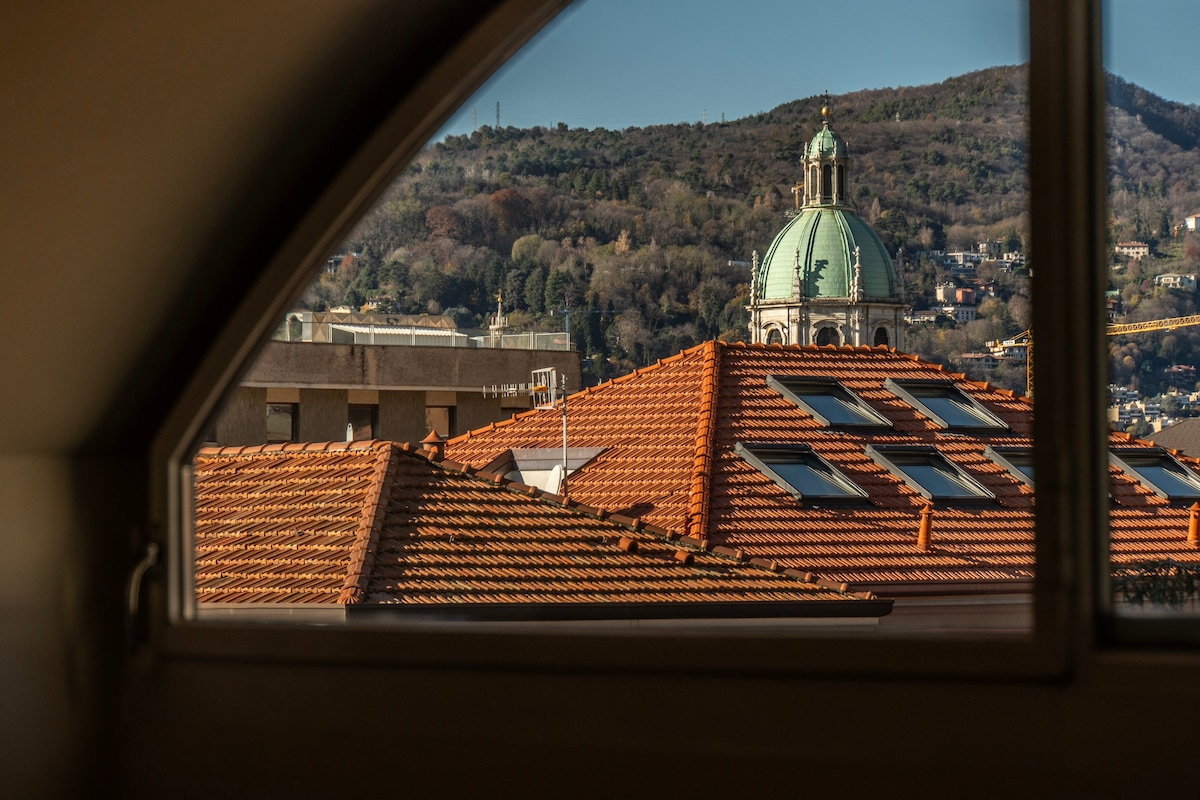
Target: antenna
(546,387)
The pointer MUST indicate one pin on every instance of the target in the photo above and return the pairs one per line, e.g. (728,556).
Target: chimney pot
(435,444)
(926,525)
(1194,526)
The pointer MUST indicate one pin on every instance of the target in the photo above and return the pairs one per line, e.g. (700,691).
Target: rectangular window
(800,471)
(364,421)
(1017,460)
(929,473)
(440,419)
(1159,472)
(283,422)
(828,401)
(946,405)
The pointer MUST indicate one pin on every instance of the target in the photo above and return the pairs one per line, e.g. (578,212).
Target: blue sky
(621,63)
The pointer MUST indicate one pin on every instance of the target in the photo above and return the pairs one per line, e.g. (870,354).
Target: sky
(622,63)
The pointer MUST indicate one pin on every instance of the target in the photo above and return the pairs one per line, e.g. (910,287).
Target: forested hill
(640,225)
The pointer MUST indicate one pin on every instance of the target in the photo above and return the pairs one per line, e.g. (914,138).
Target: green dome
(826,144)
(826,238)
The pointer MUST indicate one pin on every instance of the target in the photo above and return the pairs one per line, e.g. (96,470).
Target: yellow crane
(1025,338)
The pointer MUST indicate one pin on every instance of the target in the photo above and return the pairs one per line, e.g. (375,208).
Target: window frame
(753,454)
(893,458)
(873,420)
(1127,460)
(904,389)
(1066,204)
(1001,455)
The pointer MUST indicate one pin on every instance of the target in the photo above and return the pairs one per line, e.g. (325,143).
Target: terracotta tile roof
(670,432)
(1183,436)
(373,523)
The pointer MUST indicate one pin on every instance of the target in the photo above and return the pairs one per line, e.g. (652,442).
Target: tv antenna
(547,388)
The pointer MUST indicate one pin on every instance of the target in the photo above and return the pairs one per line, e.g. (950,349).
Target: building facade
(313,392)
(827,278)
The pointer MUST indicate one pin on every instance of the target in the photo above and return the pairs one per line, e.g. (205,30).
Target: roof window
(800,472)
(945,404)
(1017,460)
(828,401)
(929,473)
(1158,471)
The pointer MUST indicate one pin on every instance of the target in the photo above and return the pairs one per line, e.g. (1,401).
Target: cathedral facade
(827,278)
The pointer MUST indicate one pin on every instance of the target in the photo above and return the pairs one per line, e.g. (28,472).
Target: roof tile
(669,433)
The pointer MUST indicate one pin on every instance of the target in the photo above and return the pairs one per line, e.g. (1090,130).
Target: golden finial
(825,106)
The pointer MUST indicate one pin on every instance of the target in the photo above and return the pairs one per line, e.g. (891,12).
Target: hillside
(639,226)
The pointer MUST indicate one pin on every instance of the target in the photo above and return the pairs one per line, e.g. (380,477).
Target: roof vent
(435,444)
(628,544)
(926,525)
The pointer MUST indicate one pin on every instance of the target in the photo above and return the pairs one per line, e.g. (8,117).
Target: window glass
(1151,262)
(930,473)
(1160,472)
(1017,460)
(829,401)
(801,471)
(637,228)
(946,405)
(364,421)
(283,421)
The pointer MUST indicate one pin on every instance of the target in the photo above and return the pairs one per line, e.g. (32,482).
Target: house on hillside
(1172,280)
(864,466)
(1192,222)
(337,532)
(1134,250)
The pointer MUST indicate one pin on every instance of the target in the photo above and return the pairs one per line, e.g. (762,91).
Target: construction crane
(1025,338)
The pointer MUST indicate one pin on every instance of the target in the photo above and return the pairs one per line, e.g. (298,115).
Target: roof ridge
(370,526)
(696,520)
(635,525)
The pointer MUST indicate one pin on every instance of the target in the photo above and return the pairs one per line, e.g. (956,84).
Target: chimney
(1194,526)
(436,445)
(926,524)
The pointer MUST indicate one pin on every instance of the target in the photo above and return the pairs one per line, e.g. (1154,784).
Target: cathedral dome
(827,144)
(823,241)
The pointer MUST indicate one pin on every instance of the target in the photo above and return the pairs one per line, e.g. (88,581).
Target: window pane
(630,251)
(1153,258)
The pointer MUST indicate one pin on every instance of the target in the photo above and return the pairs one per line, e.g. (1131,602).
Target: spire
(856,287)
(754,278)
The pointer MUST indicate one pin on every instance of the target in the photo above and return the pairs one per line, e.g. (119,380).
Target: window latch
(134,589)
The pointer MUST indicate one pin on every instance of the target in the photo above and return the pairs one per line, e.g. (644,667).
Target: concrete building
(827,278)
(310,392)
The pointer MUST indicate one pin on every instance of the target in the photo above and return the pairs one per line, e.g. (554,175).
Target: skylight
(929,473)
(800,471)
(946,405)
(1159,472)
(1017,460)
(828,401)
